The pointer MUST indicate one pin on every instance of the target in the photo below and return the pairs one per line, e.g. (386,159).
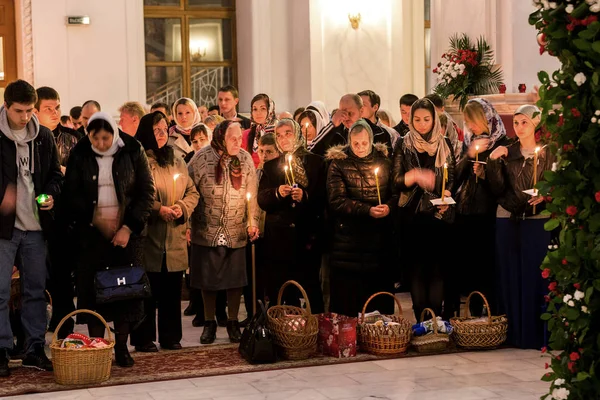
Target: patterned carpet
(190,362)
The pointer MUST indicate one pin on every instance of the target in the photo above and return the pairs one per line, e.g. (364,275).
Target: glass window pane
(210,3)
(1,58)
(163,39)
(206,82)
(163,84)
(162,2)
(210,40)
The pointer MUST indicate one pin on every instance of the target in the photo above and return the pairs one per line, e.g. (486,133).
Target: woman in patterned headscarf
(292,192)
(263,121)
(221,227)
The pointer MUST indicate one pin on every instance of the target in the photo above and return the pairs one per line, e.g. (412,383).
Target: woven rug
(191,362)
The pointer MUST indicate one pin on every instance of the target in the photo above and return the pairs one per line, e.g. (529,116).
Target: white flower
(562,82)
(580,78)
(559,382)
(560,394)
(552,4)
(594,120)
(579,295)
(571,303)
(567,298)
(554,169)
(569,8)
(595,8)
(454,74)
(597,113)
(584,309)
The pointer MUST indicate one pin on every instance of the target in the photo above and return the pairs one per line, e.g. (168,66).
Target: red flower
(542,50)
(558,357)
(575,112)
(547,374)
(577,286)
(572,211)
(565,262)
(568,147)
(589,20)
(574,356)
(547,298)
(597,196)
(544,349)
(552,286)
(546,366)
(561,121)
(546,273)
(571,366)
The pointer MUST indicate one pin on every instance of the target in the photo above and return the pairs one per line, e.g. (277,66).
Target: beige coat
(164,236)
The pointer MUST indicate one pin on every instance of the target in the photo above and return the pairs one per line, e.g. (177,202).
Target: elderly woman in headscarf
(263,117)
(476,207)
(107,198)
(360,200)
(224,175)
(312,120)
(292,192)
(418,174)
(185,118)
(521,240)
(165,248)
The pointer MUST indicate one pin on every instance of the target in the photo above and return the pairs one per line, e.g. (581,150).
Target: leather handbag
(123,283)
(257,345)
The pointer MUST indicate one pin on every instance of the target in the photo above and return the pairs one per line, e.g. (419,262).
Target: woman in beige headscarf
(186,117)
(418,172)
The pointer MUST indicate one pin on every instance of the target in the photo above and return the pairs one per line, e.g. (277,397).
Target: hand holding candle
(175,177)
(287,177)
(377,183)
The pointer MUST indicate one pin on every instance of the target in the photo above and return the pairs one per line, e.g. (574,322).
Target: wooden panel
(8,33)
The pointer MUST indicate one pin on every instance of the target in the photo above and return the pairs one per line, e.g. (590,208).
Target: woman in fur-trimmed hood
(362,225)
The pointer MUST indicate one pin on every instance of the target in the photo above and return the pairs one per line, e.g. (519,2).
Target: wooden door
(8,43)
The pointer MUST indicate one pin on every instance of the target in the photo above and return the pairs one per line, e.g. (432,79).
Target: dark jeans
(166,297)
(31,248)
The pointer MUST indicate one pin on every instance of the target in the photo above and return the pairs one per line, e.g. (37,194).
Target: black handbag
(123,283)
(257,345)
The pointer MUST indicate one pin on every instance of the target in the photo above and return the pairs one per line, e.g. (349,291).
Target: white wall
(103,61)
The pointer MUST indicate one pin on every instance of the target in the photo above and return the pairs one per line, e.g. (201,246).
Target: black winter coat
(509,177)
(47,177)
(360,242)
(475,197)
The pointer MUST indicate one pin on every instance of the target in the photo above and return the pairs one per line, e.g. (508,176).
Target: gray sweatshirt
(27,218)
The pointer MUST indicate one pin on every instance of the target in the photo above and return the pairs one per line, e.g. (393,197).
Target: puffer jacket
(359,240)
(133,184)
(511,176)
(475,197)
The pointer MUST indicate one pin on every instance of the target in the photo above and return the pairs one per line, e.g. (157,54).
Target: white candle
(248,197)
(289,158)
(175,177)
(377,183)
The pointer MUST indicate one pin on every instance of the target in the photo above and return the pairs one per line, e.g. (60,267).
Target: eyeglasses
(160,132)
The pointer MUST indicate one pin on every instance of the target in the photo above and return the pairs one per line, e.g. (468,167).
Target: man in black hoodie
(30,181)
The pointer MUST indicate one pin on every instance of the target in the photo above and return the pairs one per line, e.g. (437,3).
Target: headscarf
(363,124)
(322,121)
(117,142)
(533,114)
(226,160)
(258,130)
(197,118)
(451,133)
(145,135)
(298,150)
(433,143)
(495,124)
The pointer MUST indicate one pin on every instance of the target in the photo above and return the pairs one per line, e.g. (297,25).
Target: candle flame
(286,168)
(477,148)
(176,176)
(445,165)
(248,196)
(289,158)
(537,149)
(376,170)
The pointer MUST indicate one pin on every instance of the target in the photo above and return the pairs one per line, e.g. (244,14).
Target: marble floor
(500,374)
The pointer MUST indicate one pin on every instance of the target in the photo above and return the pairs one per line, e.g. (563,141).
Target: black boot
(4,371)
(198,320)
(190,309)
(209,334)
(122,356)
(233,330)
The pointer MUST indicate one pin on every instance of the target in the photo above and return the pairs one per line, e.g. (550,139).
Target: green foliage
(570,103)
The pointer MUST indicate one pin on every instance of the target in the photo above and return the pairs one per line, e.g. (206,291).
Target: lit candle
(287,177)
(306,131)
(175,177)
(377,183)
(444,179)
(289,158)
(248,196)
(535,164)
(476,160)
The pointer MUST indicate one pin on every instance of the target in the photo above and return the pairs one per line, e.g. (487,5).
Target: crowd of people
(345,203)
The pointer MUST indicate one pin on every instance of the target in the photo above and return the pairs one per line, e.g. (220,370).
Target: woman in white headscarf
(186,117)
(107,198)
(316,116)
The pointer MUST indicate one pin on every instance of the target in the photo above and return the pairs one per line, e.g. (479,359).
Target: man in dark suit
(228,99)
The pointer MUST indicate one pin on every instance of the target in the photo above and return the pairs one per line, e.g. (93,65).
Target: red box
(337,335)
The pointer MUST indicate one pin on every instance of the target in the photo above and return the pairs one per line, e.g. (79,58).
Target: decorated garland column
(570,100)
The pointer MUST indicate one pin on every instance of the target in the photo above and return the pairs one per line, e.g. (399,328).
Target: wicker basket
(479,335)
(294,329)
(384,340)
(81,366)
(433,342)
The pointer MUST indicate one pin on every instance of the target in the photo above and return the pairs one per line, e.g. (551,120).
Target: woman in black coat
(360,251)
(108,195)
(419,162)
(294,201)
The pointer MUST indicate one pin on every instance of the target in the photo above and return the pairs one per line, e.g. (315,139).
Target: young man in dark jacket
(30,182)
